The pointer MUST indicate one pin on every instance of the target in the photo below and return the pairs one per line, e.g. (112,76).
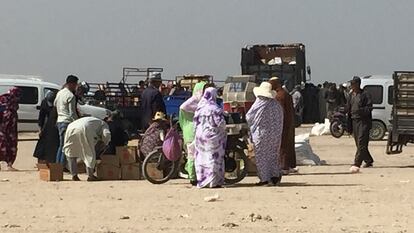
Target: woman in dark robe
(9,104)
(48,143)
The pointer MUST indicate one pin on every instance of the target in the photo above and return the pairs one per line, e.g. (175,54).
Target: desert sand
(318,199)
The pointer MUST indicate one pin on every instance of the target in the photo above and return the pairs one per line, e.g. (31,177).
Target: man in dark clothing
(152,101)
(119,136)
(359,110)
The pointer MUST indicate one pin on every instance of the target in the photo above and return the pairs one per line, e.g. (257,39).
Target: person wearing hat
(152,101)
(360,113)
(155,134)
(65,103)
(287,158)
(265,120)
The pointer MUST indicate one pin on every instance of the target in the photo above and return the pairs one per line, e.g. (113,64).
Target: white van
(380,88)
(33,91)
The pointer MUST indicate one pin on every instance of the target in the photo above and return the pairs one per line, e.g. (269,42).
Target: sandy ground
(319,199)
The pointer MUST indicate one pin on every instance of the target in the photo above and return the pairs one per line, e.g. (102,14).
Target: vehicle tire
(157,160)
(241,170)
(377,131)
(337,129)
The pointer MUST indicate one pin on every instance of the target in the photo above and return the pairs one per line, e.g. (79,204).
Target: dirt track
(319,199)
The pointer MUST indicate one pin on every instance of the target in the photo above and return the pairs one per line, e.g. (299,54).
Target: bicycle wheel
(236,175)
(157,169)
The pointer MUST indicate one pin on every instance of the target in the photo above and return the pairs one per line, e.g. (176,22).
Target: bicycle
(235,159)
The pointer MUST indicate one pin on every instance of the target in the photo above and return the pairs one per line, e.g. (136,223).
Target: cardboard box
(153,171)
(127,154)
(108,172)
(50,172)
(131,171)
(110,159)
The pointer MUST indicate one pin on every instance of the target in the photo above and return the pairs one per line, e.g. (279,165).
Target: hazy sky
(94,39)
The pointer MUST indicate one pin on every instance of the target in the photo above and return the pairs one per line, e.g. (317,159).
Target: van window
(391,95)
(376,92)
(28,95)
(49,89)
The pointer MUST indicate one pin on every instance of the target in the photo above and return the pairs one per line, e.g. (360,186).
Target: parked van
(33,91)
(380,87)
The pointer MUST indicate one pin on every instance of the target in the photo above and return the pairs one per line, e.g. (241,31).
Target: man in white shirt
(65,103)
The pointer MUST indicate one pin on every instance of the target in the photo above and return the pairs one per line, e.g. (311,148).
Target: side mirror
(308,70)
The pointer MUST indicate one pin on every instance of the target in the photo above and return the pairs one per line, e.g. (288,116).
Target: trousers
(73,167)
(60,156)
(361,128)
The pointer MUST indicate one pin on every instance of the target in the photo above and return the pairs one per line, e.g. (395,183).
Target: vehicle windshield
(237,87)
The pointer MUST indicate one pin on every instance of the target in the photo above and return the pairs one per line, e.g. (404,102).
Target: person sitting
(154,135)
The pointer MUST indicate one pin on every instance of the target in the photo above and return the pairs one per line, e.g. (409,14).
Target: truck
(401,131)
(286,61)
(123,96)
(259,63)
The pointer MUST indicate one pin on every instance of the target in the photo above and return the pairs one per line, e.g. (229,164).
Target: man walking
(359,110)
(65,103)
(287,159)
(152,101)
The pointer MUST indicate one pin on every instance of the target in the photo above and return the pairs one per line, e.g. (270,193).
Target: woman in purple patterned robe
(210,141)
(265,119)
(8,127)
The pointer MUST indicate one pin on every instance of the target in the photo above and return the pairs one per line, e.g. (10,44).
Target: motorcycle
(339,123)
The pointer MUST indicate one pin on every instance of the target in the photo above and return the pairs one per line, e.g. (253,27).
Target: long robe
(8,125)
(265,119)
(186,116)
(287,157)
(322,105)
(46,147)
(82,136)
(210,141)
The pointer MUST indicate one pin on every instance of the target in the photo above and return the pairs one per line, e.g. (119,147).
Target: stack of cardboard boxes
(108,168)
(123,165)
(130,168)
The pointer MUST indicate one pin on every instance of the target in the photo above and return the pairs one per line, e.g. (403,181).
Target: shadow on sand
(293,184)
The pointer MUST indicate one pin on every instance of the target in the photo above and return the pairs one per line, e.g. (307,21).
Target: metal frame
(402,129)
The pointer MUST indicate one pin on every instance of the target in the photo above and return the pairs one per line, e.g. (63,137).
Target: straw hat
(159,116)
(265,90)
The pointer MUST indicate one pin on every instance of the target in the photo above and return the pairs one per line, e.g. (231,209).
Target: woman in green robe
(186,115)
